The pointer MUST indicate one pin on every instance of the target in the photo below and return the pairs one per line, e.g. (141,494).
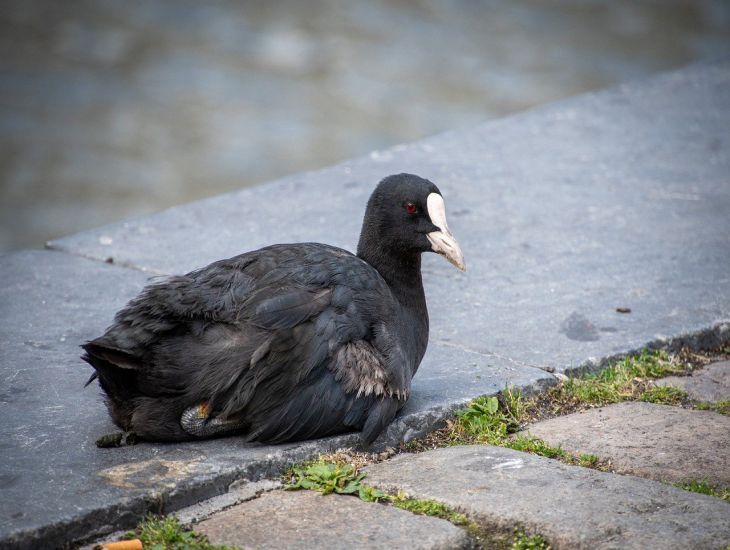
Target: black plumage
(289,342)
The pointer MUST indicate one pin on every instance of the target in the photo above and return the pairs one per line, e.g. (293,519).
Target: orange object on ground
(134,544)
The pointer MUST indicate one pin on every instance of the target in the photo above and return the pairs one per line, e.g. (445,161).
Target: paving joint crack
(491,354)
(51,247)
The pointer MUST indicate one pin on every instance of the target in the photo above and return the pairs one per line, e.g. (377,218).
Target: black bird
(289,342)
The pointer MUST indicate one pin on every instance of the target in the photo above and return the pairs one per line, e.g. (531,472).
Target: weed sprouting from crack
(721,407)
(665,395)
(428,507)
(703,487)
(335,473)
(168,533)
(523,541)
(629,379)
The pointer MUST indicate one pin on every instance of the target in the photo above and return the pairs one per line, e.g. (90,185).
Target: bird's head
(407,214)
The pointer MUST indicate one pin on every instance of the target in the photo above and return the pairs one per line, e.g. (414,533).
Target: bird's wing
(171,306)
(223,312)
(330,359)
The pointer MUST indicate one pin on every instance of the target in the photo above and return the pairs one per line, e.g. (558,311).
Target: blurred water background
(110,109)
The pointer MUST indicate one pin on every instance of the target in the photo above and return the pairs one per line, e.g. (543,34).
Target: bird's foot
(117,439)
(197,421)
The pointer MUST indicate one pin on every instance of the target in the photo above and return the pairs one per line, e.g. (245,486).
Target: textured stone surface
(574,508)
(565,213)
(240,491)
(57,486)
(710,383)
(648,440)
(306,519)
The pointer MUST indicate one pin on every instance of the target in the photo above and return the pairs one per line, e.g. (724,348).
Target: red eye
(410,208)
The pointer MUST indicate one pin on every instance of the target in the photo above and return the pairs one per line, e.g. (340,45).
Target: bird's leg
(117,439)
(197,421)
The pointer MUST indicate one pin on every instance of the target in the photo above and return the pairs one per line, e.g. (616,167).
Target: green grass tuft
(704,488)
(536,446)
(722,407)
(523,541)
(426,507)
(665,395)
(514,404)
(588,460)
(625,380)
(167,533)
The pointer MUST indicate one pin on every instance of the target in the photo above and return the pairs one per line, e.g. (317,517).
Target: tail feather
(115,369)
(378,419)
(118,357)
(94,375)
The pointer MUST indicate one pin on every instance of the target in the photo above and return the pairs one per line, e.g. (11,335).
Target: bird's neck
(402,272)
(403,275)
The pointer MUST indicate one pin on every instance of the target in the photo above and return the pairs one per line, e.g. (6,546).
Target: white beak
(442,241)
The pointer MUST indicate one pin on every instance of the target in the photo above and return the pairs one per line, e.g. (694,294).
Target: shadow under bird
(285,343)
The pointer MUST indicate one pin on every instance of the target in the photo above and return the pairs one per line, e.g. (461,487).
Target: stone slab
(565,213)
(307,519)
(711,383)
(648,440)
(58,487)
(573,507)
(238,492)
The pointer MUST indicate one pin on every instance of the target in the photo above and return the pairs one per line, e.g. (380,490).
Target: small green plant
(722,407)
(514,404)
(704,488)
(653,364)
(522,541)
(665,395)
(536,446)
(625,380)
(330,477)
(166,533)
(591,390)
(371,494)
(427,507)
(483,418)
(588,460)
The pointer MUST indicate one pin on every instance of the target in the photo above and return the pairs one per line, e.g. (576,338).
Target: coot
(285,343)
